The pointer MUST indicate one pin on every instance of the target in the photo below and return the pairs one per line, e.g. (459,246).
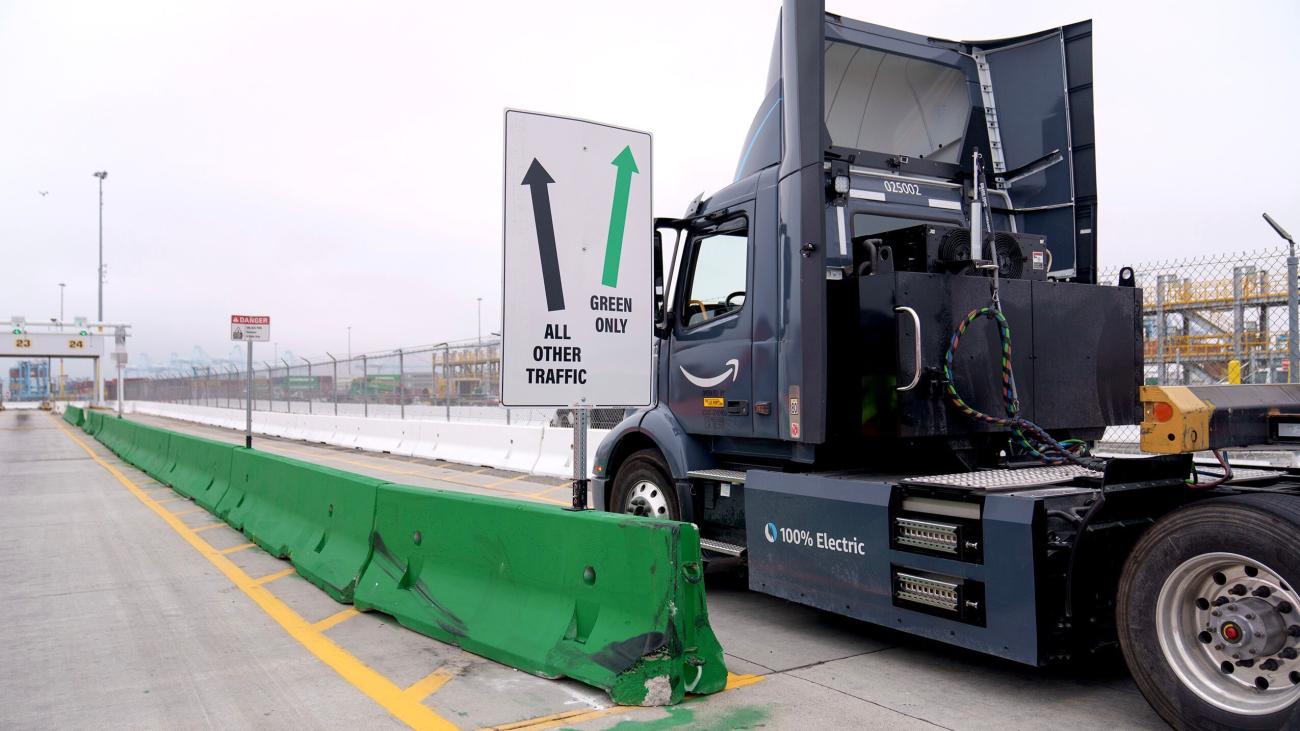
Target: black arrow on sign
(537,179)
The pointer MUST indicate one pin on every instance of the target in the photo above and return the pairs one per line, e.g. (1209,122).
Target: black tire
(645,466)
(1260,527)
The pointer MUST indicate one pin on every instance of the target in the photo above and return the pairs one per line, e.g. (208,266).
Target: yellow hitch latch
(1174,420)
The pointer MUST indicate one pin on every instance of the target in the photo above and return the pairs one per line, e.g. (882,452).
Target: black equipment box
(1076,352)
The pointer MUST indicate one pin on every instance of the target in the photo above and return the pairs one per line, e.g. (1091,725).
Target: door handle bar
(916,323)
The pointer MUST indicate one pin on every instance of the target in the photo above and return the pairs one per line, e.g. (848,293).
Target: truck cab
(806,307)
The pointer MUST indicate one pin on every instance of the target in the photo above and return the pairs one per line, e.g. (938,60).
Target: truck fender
(655,428)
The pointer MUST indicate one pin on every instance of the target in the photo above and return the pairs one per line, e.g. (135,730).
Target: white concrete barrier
(383,435)
(556,456)
(346,431)
(536,449)
(424,443)
(490,445)
(318,429)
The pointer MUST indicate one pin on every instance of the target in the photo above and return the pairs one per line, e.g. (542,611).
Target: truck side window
(718,274)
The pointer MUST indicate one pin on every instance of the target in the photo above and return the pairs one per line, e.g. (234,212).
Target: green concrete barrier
(198,468)
(148,447)
(72,415)
(113,435)
(611,600)
(614,601)
(92,421)
(319,518)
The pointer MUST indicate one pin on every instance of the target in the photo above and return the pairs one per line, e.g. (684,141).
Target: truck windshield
(881,102)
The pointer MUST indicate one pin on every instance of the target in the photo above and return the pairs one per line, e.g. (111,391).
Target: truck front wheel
(642,486)
(1209,614)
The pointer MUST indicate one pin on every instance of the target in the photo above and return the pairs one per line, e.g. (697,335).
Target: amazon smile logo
(732,371)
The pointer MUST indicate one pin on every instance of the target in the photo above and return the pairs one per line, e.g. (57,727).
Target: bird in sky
(43,193)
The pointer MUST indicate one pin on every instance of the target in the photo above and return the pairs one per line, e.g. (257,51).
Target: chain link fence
(1223,318)
(457,381)
(1215,319)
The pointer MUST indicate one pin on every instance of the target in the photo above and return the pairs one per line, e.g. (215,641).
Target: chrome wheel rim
(646,498)
(1229,627)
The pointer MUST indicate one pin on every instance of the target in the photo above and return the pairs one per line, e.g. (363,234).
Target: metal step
(727,549)
(735,477)
(1006,479)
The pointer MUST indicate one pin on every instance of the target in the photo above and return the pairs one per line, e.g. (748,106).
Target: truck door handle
(738,408)
(916,374)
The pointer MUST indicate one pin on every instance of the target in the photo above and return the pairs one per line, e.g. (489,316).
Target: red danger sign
(250,327)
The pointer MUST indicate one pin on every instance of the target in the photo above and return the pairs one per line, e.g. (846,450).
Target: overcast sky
(336,164)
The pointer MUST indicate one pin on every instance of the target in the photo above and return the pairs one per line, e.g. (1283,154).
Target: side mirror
(661,316)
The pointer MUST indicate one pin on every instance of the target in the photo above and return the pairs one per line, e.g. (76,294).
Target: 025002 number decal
(905,188)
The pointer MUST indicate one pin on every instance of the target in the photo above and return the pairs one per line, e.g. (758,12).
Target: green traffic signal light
(84,333)
(18,331)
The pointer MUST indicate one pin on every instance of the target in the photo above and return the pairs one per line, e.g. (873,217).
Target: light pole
(101,175)
(1292,303)
(349,350)
(480,320)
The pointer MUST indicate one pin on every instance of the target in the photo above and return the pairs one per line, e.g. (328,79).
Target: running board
(726,549)
(735,477)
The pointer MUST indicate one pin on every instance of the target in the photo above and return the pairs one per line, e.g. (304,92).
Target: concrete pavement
(129,607)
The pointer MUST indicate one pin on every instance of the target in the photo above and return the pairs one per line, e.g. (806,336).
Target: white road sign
(250,327)
(578,299)
(22,344)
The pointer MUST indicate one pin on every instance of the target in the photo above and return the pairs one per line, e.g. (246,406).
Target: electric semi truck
(884,355)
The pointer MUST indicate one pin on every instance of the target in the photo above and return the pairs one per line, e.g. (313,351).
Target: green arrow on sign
(618,216)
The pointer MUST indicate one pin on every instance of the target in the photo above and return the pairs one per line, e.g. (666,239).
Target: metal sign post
(119,357)
(577,281)
(248,402)
(581,421)
(250,328)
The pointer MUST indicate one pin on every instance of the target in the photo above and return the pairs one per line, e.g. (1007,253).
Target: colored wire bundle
(1036,441)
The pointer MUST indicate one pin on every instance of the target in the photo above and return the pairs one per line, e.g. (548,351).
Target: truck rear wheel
(1209,615)
(643,486)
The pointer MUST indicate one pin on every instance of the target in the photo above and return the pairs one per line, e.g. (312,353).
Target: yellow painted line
(531,722)
(568,717)
(361,676)
(335,619)
(740,681)
(429,684)
(508,479)
(560,719)
(273,577)
(210,526)
(235,549)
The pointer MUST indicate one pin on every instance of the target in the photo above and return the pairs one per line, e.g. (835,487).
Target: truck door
(709,379)
(1037,94)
